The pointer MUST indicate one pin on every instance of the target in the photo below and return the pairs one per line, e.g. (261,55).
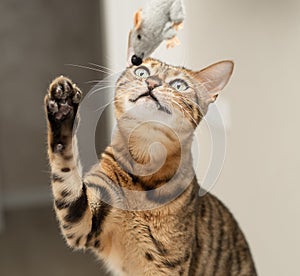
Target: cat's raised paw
(62,99)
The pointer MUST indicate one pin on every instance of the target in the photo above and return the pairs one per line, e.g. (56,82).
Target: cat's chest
(141,239)
(130,243)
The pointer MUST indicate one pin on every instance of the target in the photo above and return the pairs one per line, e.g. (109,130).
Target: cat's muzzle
(151,95)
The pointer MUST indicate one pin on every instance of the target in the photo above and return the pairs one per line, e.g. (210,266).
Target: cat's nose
(153,82)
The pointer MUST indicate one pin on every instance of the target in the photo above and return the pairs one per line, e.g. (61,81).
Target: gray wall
(37,40)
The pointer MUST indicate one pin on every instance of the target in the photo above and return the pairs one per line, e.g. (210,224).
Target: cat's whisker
(108,104)
(182,118)
(191,102)
(103,67)
(101,89)
(106,80)
(89,68)
(102,85)
(99,81)
(186,111)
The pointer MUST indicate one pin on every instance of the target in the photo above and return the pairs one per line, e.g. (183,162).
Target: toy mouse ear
(138,19)
(214,78)
(130,51)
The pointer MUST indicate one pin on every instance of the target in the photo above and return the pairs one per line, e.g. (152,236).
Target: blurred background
(260,177)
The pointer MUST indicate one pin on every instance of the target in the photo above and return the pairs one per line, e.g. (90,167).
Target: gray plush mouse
(160,21)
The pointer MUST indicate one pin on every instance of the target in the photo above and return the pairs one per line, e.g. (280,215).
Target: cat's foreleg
(69,191)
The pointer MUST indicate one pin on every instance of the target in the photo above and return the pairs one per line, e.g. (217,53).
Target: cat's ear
(214,78)
(137,19)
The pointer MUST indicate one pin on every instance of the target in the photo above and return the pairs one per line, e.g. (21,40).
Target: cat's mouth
(150,95)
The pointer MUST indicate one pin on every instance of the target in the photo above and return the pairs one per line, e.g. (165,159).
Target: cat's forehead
(164,70)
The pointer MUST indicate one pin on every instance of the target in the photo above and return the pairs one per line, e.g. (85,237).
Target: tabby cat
(160,231)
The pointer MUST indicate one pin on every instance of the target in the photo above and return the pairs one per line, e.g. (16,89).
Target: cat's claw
(62,99)
(52,106)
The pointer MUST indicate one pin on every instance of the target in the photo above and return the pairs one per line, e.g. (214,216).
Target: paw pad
(62,99)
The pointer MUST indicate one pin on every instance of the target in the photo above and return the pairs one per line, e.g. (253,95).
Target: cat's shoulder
(210,207)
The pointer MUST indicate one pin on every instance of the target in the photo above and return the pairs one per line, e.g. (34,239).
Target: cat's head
(174,96)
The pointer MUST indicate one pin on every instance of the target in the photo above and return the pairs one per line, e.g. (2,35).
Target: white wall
(260,178)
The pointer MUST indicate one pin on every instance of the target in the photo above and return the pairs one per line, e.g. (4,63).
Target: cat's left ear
(214,78)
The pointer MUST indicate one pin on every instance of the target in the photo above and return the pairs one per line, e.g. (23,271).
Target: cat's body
(182,233)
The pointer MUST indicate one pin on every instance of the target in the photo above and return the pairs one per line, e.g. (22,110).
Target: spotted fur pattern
(189,235)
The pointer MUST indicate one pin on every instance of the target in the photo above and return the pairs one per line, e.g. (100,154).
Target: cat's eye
(179,85)
(139,37)
(142,72)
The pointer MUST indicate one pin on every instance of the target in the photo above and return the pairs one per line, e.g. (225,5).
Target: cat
(120,209)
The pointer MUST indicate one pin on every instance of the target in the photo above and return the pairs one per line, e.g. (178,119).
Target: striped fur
(190,235)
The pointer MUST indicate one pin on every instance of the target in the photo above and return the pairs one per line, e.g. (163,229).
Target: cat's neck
(152,153)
